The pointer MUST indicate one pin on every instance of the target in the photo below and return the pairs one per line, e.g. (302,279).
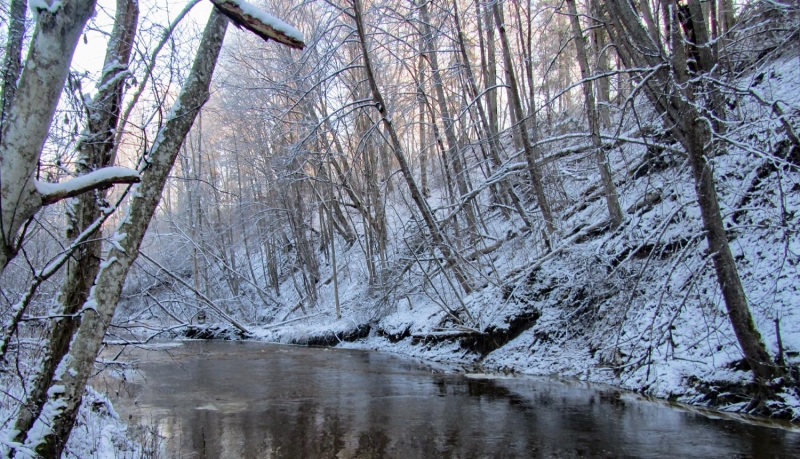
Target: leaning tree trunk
(427,215)
(522,132)
(94,152)
(51,429)
(672,94)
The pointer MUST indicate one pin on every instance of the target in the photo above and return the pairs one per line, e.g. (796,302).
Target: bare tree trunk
(516,105)
(52,427)
(454,156)
(335,213)
(241,217)
(416,194)
(490,70)
(191,181)
(376,235)
(726,13)
(423,137)
(272,265)
(525,38)
(439,145)
(603,67)
(494,145)
(344,177)
(306,260)
(386,168)
(650,21)
(334,266)
(610,191)
(340,221)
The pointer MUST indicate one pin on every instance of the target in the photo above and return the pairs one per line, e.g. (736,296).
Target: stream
(222,399)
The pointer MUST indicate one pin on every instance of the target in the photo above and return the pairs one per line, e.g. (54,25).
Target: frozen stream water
(216,399)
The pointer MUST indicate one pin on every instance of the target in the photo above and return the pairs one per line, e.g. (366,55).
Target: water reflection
(250,400)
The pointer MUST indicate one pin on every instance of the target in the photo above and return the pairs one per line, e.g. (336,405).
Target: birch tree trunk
(51,428)
(28,118)
(95,151)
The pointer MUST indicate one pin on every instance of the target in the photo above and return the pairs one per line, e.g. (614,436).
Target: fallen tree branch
(205,299)
(278,324)
(266,26)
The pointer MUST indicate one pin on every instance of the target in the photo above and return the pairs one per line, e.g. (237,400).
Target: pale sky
(89,56)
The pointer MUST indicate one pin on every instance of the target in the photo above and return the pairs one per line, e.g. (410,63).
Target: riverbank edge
(469,354)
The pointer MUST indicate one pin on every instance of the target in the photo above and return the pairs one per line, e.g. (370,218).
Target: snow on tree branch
(101,178)
(37,6)
(260,23)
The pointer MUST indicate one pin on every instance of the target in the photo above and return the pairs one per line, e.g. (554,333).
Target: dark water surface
(251,400)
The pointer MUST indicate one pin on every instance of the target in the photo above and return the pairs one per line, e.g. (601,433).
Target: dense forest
(604,190)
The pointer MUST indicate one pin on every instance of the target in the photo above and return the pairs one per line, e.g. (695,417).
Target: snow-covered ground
(100,433)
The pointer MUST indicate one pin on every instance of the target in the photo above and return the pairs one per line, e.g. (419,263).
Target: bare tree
(675,94)
(531,155)
(96,150)
(416,194)
(454,153)
(52,425)
(593,116)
